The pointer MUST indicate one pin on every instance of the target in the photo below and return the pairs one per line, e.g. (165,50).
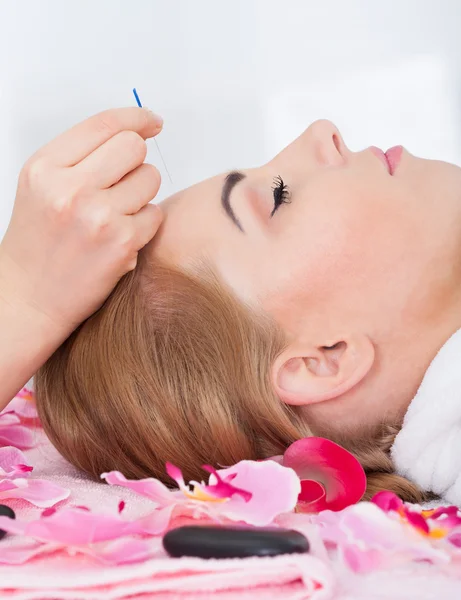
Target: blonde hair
(174,368)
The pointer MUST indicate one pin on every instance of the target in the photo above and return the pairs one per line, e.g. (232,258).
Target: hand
(80,217)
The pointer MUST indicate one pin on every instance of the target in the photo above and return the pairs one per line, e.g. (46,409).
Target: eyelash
(281,194)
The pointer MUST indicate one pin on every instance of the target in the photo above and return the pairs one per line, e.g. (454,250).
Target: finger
(114,159)
(135,190)
(146,223)
(74,145)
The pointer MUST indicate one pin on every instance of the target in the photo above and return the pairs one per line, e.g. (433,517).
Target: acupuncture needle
(138,102)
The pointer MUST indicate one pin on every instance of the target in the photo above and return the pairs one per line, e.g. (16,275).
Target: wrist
(17,301)
(27,339)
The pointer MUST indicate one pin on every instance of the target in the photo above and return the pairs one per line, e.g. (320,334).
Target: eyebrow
(230,182)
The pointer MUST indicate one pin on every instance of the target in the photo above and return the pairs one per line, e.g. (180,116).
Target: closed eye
(281,194)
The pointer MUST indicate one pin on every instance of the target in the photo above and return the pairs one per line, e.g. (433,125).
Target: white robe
(427,450)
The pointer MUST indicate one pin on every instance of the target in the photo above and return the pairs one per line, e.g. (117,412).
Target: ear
(304,374)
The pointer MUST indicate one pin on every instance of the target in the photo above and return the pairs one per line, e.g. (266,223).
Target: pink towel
(318,575)
(60,577)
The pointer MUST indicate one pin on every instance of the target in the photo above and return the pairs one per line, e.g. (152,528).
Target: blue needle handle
(138,102)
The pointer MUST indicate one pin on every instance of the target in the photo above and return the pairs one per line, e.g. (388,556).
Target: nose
(328,144)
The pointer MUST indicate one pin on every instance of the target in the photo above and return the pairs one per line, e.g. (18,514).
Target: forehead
(192,223)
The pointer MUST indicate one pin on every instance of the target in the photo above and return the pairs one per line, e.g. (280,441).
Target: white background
(234,80)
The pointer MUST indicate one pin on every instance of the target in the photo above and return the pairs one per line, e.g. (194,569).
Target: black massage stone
(5,511)
(232,542)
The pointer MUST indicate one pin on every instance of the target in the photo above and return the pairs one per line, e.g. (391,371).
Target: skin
(80,217)
(362,270)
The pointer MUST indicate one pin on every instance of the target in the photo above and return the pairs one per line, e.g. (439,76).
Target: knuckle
(107,122)
(59,208)
(97,220)
(62,200)
(35,170)
(126,241)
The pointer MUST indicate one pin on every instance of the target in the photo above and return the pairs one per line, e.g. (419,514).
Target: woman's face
(353,249)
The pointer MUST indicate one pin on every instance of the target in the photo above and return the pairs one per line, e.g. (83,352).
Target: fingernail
(157,118)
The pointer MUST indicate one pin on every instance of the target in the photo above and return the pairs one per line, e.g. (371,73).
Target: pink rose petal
(330,465)
(387,501)
(23,405)
(13,463)
(369,538)
(149,488)
(105,538)
(39,492)
(312,496)
(274,490)
(362,561)
(16,435)
(222,488)
(417,521)
(176,474)
(72,527)
(24,551)
(157,521)
(454,537)
(7,419)
(122,551)
(447,517)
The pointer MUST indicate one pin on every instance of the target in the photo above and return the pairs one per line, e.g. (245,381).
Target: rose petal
(16,435)
(157,521)
(444,510)
(362,561)
(72,527)
(312,497)
(367,537)
(222,488)
(122,551)
(274,490)
(416,520)
(387,501)
(13,463)
(454,537)
(39,492)
(336,469)
(311,491)
(7,419)
(23,405)
(150,488)
(176,474)
(446,517)
(24,551)
(114,552)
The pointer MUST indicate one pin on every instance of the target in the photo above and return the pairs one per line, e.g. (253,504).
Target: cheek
(301,263)
(318,246)
(343,246)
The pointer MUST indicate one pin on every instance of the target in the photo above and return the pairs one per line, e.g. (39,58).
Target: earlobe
(309,374)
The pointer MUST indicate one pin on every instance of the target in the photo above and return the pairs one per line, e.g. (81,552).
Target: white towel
(427,450)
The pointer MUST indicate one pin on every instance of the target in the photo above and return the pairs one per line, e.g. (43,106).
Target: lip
(393,156)
(382,157)
(390,158)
